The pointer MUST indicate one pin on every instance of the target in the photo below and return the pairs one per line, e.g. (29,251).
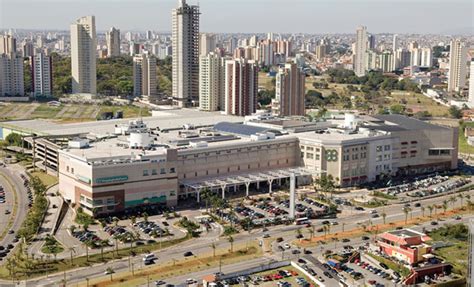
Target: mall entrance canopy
(196,186)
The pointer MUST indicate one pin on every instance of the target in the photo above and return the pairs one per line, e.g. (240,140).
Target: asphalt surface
(14,184)
(202,245)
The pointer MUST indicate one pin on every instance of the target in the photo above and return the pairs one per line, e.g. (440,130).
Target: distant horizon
(245,33)
(234,16)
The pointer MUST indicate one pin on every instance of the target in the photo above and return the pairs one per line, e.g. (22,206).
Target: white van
(149,256)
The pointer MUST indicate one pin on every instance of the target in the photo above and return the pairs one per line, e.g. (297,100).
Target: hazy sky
(309,16)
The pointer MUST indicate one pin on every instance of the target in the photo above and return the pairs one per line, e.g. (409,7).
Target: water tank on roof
(350,121)
(140,140)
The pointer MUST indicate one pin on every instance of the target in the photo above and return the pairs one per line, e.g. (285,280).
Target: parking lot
(265,211)
(281,277)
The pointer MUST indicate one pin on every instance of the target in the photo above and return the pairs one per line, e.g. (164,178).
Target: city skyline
(281,17)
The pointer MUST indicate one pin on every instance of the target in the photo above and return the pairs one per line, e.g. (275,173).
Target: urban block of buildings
(179,153)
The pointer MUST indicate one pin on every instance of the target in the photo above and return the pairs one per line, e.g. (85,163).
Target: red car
(372,282)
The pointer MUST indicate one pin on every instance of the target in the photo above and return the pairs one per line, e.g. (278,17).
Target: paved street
(14,184)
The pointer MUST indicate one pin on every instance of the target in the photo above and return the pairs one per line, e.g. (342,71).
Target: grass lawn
(65,112)
(180,267)
(265,81)
(457,254)
(45,178)
(45,111)
(128,111)
(40,267)
(464,147)
(392,265)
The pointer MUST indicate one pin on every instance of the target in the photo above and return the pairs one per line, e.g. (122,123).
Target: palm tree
(298,232)
(461,197)
(85,226)
(311,233)
(343,225)
(445,205)
(422,211)
(206,195)
(145,216)
(72,250)
(452,200)
(110,271)
(133,219)
(384,216)
(86,245)
(468,198)
(430,208)
(231,241)
(213,246)
(102,244)
(406,210)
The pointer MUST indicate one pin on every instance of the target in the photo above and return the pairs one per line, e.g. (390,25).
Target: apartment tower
(185,46)
(290,91)
(83,56)
(241,85)
(113,42)
(457,66)
(360,51)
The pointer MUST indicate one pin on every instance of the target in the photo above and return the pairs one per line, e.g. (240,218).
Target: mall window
(387,147)
(145,172)
(153,172)
(318,157)
(379,148)
(172,170)
(162,170)
(309,155)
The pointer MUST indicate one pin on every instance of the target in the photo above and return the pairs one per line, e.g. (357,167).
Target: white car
(190,281)
(149,256)
(286,246)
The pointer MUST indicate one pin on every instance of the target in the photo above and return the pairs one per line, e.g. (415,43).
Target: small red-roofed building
(406,245)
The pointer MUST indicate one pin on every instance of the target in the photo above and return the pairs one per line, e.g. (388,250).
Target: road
(12,182)
(201,245)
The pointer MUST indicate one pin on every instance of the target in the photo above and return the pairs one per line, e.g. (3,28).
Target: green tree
(455,112)
(13,139)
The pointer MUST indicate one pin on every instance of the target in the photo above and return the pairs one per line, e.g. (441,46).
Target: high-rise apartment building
(83,56)
(266,53)
(113,42)
(457,66)
(28,49)
(211,82)
(11,68)
(185,45)
(42,75)
(395,43)
(386,61)
(241,86)
(289,91)
(7,44)
(415,54)
(426,58)
(471,85)
(320,52)
(11,75)
(360,51)
(144,76)
(402,58)
(371,42)
(207,44)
